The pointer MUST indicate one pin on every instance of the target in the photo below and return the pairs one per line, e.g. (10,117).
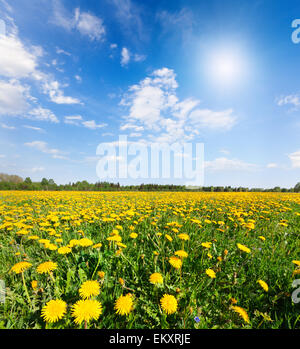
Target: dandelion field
(140,260)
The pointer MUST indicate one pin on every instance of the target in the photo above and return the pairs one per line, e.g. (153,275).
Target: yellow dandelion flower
(120,244)
(183,236)
(121,282)
(89,288)
(124,305)
(85,242)
(181,253)
(46,267)
(206,244)
(296,262)
(118,252)
(168,237)
(242,312)
(133,235)
(97,245)
(250,225)
(116,238)
(21,267)
(44,241)
(34,284)
(169,304)
(156,278)
(101,274)
(64,250)
(175,262)
(86,310)
(210,273)
(33,237)
(73,242)
(54,310)
(243,248)
(51,247)
(264,285)
(262,238)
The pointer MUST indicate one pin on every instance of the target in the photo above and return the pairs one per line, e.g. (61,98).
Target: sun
(225,66)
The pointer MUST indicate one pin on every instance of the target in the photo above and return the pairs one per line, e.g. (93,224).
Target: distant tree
(28,180)
(44,182)
(297,188)
(277,189)
(10,178)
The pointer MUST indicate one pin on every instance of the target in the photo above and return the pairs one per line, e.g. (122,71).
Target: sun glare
(225,67)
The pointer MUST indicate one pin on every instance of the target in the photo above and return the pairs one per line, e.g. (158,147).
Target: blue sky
(74,74)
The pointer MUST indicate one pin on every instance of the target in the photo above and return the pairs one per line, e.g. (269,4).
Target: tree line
(14,182)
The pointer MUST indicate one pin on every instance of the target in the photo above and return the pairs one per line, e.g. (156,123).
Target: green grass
(197,294)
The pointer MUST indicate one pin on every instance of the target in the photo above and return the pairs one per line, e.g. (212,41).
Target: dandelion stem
(96,266)
(26,290)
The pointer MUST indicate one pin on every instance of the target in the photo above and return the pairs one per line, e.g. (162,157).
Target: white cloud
(290,99)
(135,135)
(295,159)
(125,56)
(6,5)
(90,25)
(19,62)
(132,127)
(78,78)
(42,114)
(112,46)
(34,128)
(37,169)
(225,151)
(139,58)
(86,23)
(43,147)
(205,118)
(61,51)
(128,13)
(2,156)
(272,165)
(8,127)
(91,124)
(181,22)
(13,97)
(15,60)
(73,120)
(61,17)
(53,89)
(77,120)
(223,164)
(154,106)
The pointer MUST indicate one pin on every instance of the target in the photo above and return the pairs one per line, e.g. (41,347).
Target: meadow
(145,260)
